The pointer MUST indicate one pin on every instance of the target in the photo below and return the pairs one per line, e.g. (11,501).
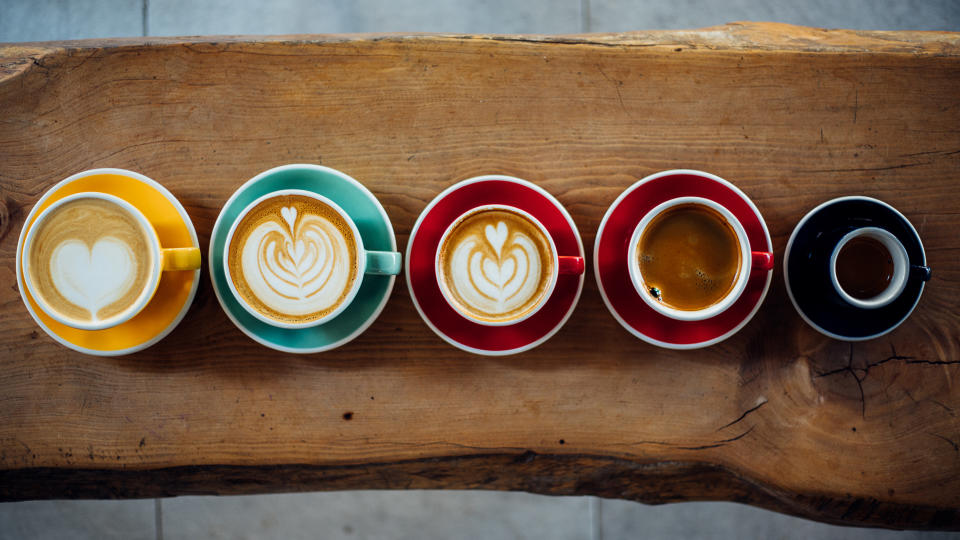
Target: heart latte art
(90,260)
(496,265)
(293,258)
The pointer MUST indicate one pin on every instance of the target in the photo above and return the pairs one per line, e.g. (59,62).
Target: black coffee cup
(885,273)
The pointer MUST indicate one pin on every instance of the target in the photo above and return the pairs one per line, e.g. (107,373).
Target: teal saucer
(375,229)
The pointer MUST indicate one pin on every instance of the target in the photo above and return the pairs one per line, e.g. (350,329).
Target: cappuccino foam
(293,259)
(90,260)
(496,265)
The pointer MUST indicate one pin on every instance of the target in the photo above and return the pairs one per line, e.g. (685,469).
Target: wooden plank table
(777,416)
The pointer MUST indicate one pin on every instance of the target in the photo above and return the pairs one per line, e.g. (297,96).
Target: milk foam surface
(496,264)
(293,258)
(90,260)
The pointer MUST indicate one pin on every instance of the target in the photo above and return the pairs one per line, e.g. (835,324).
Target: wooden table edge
(655,482)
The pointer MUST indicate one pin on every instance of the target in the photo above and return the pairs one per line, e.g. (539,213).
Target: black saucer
(806,268)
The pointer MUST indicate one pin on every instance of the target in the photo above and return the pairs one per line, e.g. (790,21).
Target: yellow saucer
(176,289)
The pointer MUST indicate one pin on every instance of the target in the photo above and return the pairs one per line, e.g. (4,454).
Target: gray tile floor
(426,514)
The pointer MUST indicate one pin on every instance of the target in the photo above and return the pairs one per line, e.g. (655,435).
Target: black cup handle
(923,272)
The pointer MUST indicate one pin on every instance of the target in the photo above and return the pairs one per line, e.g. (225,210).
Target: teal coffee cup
(303,258)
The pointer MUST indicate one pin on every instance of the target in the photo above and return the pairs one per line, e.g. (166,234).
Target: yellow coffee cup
(93,261)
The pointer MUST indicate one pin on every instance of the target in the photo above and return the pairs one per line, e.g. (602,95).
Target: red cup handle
(762,260)
(571,265)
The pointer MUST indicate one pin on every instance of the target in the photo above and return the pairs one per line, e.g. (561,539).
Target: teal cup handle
(383,263)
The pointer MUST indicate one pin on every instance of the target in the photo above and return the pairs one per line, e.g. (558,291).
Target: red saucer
(422,282)
(613,276)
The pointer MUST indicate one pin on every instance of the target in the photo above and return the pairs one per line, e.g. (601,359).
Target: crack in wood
(956,447)
(719,443)
(616,85)
(934,362)
(948,409)
(860,169)
(680,446)
(931,152)
(893,356)
(849,369)
(859,374)
(91,54)
(744,415)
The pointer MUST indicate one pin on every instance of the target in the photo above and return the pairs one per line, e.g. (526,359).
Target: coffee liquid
(864,267)
(690,255)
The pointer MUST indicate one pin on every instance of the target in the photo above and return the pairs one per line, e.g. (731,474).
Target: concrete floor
(426,514)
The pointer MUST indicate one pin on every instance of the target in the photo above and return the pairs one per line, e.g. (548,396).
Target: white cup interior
(901,267)
(146,294)
(358,244)
(713,310)
(448,296)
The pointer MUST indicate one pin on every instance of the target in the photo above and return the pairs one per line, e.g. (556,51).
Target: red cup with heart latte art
(494,265)
(497,265)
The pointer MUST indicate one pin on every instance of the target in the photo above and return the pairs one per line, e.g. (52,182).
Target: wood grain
(777,416)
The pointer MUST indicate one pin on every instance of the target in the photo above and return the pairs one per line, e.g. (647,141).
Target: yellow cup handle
(181,258)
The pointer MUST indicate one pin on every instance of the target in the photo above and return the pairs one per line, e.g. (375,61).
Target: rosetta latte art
(497,272)
(297,265)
